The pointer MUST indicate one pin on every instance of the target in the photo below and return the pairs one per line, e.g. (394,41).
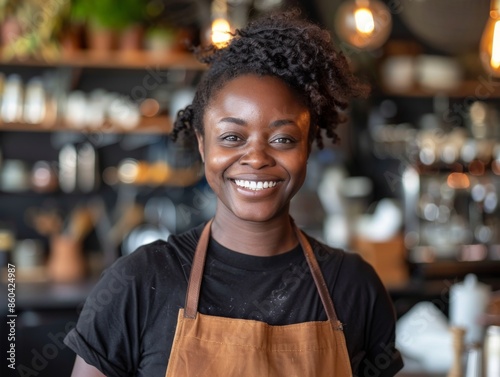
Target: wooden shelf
(113,60)
(155,125)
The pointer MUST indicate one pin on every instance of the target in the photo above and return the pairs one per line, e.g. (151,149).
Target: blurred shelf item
(153,125)
(154,174)
(388,258)
(112,60)
(451,269)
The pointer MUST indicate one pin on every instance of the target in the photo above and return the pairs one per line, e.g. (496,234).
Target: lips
(255,185)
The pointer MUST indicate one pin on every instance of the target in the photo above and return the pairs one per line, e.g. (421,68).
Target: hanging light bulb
(364,24)
(220,30)
(490,41)
(363,19)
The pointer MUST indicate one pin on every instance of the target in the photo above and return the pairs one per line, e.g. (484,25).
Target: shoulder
(149,274)
(345,268)
(364,307)
(346,260)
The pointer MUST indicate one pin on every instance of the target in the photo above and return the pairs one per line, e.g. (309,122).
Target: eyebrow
(238,121)
(241,122)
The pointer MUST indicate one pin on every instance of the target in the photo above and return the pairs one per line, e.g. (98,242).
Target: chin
(256,214)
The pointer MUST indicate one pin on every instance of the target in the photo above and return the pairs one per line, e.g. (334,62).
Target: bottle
(492,351)
(458,336)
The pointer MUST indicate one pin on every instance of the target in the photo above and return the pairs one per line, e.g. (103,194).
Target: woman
(248,294)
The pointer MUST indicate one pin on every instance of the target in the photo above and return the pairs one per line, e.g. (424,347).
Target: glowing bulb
(495,50)
(364,24)
(364,21)
(490,41)
(221,32)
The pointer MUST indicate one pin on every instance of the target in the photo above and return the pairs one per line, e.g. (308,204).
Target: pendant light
(490,41)
(363,24)
(220,31)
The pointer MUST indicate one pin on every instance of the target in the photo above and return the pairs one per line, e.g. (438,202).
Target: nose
(257,155)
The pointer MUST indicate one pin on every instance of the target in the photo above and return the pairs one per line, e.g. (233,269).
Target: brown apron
(215,346)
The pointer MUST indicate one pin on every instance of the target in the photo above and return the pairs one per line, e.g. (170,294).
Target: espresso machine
(451,189)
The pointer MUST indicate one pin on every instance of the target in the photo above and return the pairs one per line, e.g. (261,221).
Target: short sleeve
(382,359)
(107,332)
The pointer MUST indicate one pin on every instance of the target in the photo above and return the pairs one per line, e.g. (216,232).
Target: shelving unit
(153,125)
(113,60)
(113,71)
(416,109)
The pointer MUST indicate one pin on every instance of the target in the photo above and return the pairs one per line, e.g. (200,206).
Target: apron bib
(221,347)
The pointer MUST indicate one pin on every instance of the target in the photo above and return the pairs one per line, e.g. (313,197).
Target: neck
(267,238)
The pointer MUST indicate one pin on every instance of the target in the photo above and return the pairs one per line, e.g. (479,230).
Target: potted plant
(108,20)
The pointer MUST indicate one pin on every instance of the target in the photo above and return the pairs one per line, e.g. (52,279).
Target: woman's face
(255,146)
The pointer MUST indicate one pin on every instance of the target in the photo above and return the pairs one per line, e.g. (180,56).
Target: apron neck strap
(317,275)
(196,274)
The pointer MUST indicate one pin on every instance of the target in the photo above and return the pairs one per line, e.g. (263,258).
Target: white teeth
(254,185)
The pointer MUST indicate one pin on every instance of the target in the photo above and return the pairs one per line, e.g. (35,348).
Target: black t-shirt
(127,325)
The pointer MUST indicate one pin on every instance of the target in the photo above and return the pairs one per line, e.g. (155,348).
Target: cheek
(296,167)
(216,160)
(216,163)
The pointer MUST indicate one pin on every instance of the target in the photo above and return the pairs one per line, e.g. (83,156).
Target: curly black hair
(295,50)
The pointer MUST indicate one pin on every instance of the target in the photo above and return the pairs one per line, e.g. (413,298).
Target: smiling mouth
(255,185)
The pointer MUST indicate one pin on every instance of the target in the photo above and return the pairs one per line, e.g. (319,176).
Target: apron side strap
(319,280)
(196,274)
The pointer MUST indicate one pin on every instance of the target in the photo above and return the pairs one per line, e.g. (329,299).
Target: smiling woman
(248,294)
(254,138)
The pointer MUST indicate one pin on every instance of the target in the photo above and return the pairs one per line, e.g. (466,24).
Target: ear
(201,147)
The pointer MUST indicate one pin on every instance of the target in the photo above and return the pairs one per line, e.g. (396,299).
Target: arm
(82,369)
(370,319)
(382,357)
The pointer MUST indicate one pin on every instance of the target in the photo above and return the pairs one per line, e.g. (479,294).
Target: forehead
(267,93)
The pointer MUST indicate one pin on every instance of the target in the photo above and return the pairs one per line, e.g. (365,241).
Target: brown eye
(231,138)
(283,140)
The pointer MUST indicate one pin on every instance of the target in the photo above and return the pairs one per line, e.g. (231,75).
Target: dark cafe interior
(89,92)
